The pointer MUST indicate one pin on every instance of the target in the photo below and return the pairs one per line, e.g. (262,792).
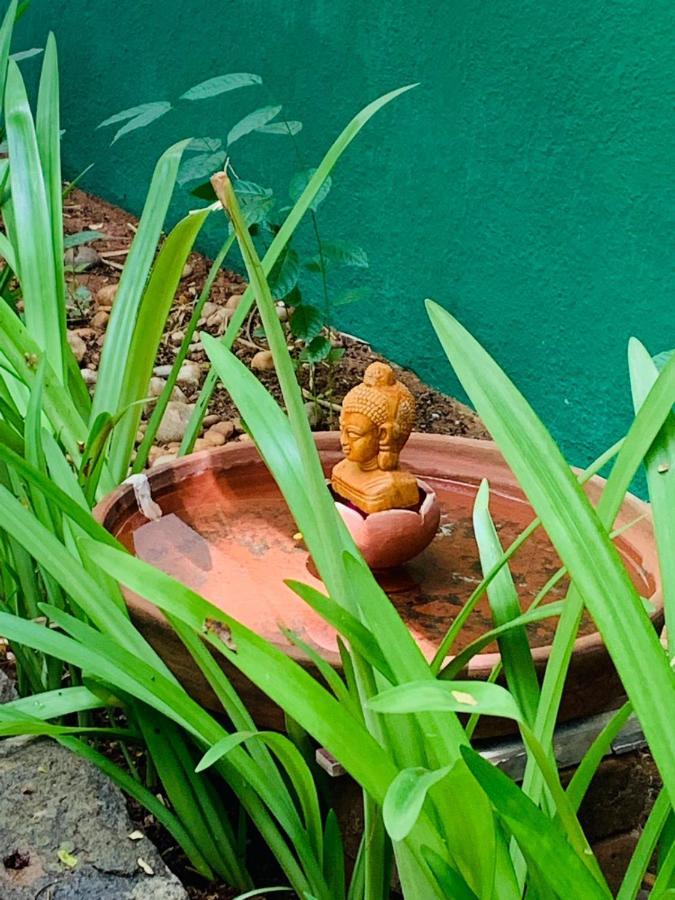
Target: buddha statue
(376,420)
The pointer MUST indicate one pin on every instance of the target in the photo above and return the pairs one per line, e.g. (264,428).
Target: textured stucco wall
(527,184)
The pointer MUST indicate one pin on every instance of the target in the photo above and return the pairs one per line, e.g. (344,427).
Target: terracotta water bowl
(226,532)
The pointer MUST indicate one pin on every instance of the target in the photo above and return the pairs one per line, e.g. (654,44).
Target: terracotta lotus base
(395,536)
(227,533)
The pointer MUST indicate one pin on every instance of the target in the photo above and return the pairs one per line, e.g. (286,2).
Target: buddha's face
(359,437)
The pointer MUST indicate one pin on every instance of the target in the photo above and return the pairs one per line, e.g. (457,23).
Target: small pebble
(190,373)
(177,338)
(100,319)
(214,438)
(210,420)
(77,345)
(105,295)
(263,361)
(227,429)
(209,308)
(282,312)
(187,271)
(89,376)
(165,458)
(234,301)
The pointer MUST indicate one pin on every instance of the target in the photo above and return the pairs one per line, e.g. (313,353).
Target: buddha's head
(376,419)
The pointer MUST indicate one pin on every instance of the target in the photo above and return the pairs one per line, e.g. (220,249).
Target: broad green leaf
(405,798)
(318,349)
(290,127)
(306,322)
(205,144)
(220,84)
(285,681)
(252,122)
(54,704)
(284,275)
(351,295)
(136,116)
(201,166)
(338,253)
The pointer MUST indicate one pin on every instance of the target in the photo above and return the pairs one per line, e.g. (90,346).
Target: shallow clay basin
(227,533)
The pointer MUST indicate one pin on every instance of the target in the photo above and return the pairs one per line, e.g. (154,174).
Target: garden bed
(89,312)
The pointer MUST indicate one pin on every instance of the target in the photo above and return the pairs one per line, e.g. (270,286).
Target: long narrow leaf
(115,355)
(45,315)
(142,351)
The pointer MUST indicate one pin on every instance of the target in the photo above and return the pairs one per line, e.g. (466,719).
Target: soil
(436,412)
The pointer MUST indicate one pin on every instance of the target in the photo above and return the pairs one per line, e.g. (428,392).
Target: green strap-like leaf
(117,347)
(579,537)
(44,311)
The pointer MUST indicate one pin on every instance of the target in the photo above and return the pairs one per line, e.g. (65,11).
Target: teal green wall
(528,184)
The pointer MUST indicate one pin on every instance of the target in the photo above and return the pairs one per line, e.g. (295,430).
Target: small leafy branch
(299,282)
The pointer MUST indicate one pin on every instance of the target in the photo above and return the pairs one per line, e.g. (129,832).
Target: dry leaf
(222,631)
(67,858)
(467,699)
(145,866)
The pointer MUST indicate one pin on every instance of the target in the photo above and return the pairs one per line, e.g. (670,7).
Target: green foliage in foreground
(455,826)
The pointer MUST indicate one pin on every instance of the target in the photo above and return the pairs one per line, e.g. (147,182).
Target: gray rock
(189,373)
(175,421)
(51,800)
(158,384)
(80,259)
(7,688)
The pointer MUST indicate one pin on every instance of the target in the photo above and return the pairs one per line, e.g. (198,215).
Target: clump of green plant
(455,826)
(84,672)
